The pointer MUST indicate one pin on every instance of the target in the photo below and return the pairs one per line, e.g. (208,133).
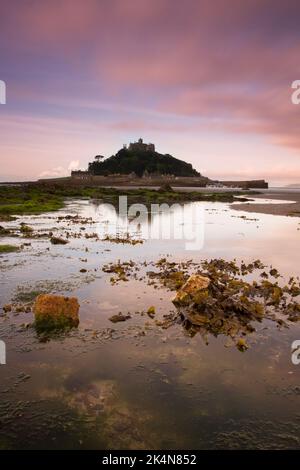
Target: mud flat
(291,208)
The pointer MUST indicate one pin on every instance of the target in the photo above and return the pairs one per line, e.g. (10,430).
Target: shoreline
(291,209)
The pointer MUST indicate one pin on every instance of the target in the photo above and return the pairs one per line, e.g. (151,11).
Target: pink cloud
(123,66)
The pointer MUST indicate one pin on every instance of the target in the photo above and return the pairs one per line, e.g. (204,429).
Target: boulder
(195,284)
(58,241)
(55,312)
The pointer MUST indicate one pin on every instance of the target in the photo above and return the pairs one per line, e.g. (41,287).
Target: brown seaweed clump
(221,297)
(218,297)
(120,271)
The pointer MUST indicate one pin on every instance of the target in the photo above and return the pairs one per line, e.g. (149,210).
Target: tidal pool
(133,384)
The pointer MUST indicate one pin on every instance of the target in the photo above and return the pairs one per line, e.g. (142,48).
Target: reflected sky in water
(158,387)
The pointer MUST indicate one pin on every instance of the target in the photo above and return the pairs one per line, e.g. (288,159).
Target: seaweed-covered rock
(218,299)
(241,345)
(55,312)
(4,231)
(151,311)
(25,229)
(7,308)
(195,284)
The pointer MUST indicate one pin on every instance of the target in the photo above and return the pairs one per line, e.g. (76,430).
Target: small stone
(119,317)
(7,308)
(166,188)
(151,311)
(242,345)
(58,241)
(20,308)
(25,229)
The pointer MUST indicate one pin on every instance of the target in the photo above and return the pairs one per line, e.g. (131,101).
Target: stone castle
(140,145)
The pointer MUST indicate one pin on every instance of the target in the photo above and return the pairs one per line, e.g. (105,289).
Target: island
(139,164)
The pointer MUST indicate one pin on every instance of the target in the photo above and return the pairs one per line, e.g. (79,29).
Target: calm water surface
(133,384)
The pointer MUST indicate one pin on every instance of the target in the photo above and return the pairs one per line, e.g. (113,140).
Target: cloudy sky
(208,81)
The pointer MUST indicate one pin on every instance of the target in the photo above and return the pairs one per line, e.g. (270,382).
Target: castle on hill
(140,163)
(140,146)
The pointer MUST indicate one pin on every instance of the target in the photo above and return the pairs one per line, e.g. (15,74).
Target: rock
(242,345)
(25,229)
(274,273)
(166,188)
(151,311)
(196,318)
(4,231)
(58,241)
(7,308)
(190,289)
(119,317)
(83,270)
(55,312)
(20,308)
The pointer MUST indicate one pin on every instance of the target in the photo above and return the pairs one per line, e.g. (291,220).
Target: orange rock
(55,312)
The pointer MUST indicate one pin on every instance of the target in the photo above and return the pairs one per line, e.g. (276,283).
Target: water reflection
(138,384)
(183,222)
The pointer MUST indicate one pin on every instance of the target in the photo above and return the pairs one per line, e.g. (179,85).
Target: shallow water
(133,384)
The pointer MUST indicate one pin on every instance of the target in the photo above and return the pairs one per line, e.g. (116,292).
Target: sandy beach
(291,209)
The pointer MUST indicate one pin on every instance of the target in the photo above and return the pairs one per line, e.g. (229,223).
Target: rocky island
(139,164)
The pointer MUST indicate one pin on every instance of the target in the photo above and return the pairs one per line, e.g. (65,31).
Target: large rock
(58,241)
(195,284)
(55,312)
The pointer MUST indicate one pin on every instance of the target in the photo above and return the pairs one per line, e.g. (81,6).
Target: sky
(208,81)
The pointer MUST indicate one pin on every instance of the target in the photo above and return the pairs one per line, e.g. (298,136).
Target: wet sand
(289,209)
